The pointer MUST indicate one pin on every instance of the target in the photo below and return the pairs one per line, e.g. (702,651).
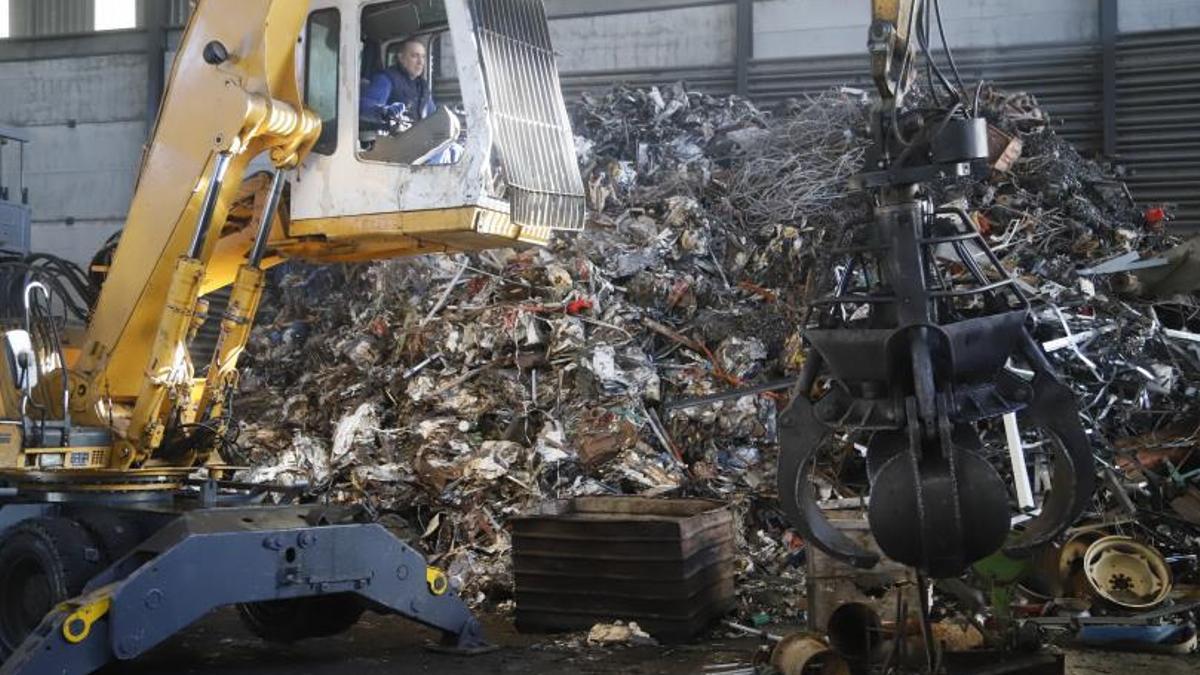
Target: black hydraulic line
(937,10)
(204,221)
(264,228)
(930,63)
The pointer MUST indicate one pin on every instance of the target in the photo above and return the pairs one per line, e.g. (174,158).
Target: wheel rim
(27,597)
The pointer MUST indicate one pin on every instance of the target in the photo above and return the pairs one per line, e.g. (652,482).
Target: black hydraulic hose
(937,10)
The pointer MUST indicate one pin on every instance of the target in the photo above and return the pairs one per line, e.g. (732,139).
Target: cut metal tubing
(731,394)
(803,653)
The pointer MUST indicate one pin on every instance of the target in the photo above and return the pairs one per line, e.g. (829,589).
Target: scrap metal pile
(446,394)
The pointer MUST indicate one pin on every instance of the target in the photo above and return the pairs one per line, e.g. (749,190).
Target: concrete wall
(695,36)
(85,119)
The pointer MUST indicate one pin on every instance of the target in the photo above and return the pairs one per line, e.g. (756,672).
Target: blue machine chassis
(212,557)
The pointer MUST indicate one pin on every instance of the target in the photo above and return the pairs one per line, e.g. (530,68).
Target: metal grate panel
(534,142)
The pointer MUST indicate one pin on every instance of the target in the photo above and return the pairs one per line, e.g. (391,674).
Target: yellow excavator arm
(232,95)
(892,47)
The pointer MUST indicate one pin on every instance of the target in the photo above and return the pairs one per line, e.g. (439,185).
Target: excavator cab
(404,46)
(485,158)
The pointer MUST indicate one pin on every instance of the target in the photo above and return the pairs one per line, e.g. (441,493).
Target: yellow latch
(438,584)
(78,625)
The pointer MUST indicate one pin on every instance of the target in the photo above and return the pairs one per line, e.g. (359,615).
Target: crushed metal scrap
(446,395)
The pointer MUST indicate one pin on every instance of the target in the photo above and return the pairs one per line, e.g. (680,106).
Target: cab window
(402,118)
(322,46)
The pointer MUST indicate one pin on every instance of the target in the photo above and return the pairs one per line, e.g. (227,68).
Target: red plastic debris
(578,305)
(1155,216)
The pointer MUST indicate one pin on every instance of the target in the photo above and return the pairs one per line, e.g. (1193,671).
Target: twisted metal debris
(445,395)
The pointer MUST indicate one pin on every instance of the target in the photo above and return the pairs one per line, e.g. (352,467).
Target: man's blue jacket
(394,85)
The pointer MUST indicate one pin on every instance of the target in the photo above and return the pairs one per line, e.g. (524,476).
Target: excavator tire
(115,535)
(288,621)
(43,561)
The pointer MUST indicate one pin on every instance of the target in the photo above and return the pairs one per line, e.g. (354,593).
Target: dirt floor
(220,645)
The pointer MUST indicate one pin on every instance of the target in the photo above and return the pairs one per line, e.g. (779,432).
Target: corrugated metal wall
(1158,118)
(1065,79)
(51,17)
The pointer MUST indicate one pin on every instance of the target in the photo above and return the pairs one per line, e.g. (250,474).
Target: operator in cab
(400,95)
(397,103)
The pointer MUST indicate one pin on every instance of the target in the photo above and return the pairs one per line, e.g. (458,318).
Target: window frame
(327,142)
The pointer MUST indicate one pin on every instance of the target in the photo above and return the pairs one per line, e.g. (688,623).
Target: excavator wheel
(290,621)
(115,535)
(43,561)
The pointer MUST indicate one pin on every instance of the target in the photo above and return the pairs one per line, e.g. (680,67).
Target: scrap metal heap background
(447,394)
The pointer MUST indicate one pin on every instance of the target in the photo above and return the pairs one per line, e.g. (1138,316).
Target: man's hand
(395,116)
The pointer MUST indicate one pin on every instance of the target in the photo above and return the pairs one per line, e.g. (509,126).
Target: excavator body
(118,522)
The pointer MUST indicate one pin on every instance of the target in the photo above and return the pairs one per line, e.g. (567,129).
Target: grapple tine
(1073,480)
(801,434)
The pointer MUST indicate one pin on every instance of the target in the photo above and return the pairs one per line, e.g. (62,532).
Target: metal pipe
(268,216)
(855,631)
(1016,456)
(29,288)
(204,221)
(735,393)
(972,291)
